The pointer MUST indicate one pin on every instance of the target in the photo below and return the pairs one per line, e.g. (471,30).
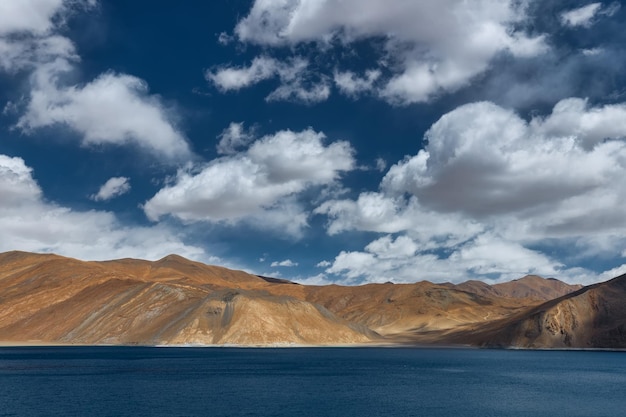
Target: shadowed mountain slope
(592,317)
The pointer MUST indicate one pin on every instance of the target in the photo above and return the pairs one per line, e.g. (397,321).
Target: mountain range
(50,299)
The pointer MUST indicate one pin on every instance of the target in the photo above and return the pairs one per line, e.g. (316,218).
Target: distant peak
(173,258)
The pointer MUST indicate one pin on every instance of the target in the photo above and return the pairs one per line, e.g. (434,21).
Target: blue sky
(322,141)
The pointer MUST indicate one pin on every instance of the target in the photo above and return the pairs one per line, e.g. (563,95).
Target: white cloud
(112,109)
(482,160)
(236,78)
(17,185)
(27,36)
(28,222)
(294,76)
(586,16)
(352,85)
(488,258)
(382,213)
(28,15)
(20,54)
(224,38)
(381,164)
(233,138)
(298,92)
(259,185)
(431,46)
(590,126)
(319,279)
(614,272)
(488,187)
(323,264)
(114,187)
(592,51)
(582,16)
(287,263)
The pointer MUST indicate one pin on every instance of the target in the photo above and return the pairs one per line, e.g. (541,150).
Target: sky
(322,141)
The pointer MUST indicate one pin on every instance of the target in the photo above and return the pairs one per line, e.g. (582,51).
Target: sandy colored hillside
(47,298)
(52,299)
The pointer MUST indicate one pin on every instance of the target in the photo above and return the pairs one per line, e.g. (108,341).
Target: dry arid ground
(49,299)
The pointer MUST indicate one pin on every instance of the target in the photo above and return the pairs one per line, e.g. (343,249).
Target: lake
(145,381)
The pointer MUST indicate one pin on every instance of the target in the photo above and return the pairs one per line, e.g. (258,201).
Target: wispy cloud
(586,16)
(287,263)
(114,187)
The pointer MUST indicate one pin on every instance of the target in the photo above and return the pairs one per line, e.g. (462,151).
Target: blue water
(124,381)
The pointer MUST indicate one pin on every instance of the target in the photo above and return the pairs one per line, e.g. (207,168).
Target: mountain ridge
(46,298)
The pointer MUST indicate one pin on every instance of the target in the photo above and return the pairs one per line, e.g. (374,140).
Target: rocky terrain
(592,317)
(50,299)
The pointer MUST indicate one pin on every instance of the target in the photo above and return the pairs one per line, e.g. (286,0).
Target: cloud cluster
(111,109)
(488,190)
(29,222)
(430,46)
(258,185)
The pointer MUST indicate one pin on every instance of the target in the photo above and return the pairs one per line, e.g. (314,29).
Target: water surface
(140,381)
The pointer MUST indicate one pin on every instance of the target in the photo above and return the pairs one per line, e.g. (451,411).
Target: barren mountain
(530,286)
(592,317)
(52,299)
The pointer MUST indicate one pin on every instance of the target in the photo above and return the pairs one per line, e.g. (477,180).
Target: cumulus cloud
(287,263)
(430,46)
(490,184)
(483,160)
(295,79)
(111,109)
(585,16)
(259,185)
(28,222)
(114,187)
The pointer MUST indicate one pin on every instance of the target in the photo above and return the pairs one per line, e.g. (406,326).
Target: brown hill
(410,309)
(531,286)
(592,317)
(52,299)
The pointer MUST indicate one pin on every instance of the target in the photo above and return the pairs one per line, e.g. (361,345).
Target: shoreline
(30,344)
